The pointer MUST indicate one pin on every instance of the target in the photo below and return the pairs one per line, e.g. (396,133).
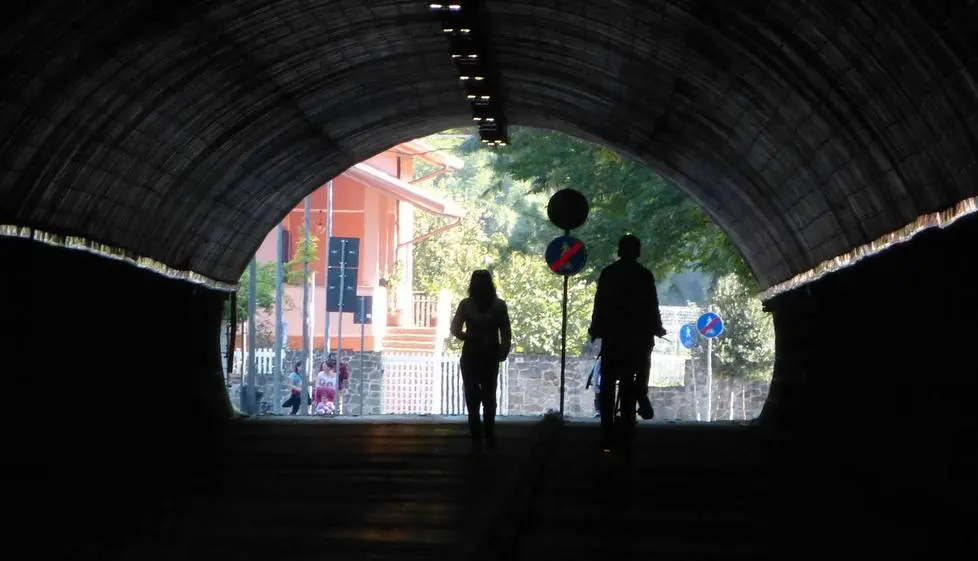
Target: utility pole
(252,391)
(329,237)
(306,355)
(279,335)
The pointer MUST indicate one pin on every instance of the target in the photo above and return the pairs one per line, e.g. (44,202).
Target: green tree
(533,294)
(446,260)
(264,302)
(306,249)
(745,350)
(625,197)
(264,291)
(506,230)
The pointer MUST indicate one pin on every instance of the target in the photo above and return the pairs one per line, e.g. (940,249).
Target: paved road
(412,489)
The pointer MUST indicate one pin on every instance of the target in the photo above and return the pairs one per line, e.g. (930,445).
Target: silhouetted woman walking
(486,342)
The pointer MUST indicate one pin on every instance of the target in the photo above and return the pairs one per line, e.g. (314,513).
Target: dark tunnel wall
(876,376)
(112,379)
(892,326)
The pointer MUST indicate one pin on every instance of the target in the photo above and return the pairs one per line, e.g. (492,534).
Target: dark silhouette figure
(486,342)
(626,319)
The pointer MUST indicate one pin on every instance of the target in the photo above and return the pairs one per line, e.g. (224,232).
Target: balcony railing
(424,309)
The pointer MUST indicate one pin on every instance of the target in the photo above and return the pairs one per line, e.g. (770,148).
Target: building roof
(373,177)
(431,154)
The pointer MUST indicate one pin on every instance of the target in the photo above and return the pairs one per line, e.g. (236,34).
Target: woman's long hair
(482,290)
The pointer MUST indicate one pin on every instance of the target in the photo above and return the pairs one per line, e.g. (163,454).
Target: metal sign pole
(692,376)
(250,404)
(329,238)
(563,346)
(339,335)
(306,354)
(363,336)
(279,331)
(567,209)
(709,379)
(563,340)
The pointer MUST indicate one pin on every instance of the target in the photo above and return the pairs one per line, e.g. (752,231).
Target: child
(595,379)
(326,391)
(325,407)
(595,376)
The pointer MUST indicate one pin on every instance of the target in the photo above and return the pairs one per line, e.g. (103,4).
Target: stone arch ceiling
(184,130)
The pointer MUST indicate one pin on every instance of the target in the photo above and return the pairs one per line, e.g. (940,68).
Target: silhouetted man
(626,319)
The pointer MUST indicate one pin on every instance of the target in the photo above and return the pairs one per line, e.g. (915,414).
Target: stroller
(325,398)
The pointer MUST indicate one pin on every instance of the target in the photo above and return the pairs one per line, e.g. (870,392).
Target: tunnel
(148,147)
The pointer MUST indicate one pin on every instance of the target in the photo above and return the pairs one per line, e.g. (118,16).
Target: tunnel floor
(403,489)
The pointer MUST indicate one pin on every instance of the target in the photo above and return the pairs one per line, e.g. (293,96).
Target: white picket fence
(409,383)
(413,384)
(264,362)
(429,384)
(424,309)
(452,395)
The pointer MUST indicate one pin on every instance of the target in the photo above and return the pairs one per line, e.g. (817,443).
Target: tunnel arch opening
(809,129)
(682,236)
(747,109)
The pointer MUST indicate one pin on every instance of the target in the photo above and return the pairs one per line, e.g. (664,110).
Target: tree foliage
(501,231)
(446,261)
(306,248)
(745,349)
(264,301)
(305,251)
(534,294)
(625,197)
(505,229)
(264,291)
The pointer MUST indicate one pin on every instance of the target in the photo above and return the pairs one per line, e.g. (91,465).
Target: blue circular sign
(566,255)
(687,336)
(709,325)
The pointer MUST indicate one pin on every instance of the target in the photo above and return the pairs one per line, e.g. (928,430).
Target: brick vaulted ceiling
(182,130)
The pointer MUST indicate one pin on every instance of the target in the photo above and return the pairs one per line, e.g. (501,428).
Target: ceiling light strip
(460,23)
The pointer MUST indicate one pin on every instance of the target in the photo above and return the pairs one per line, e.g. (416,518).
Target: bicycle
(625,423)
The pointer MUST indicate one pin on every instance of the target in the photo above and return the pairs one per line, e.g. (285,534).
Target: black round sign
(567,209)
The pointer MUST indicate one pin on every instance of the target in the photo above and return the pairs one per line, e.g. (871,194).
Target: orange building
(374,201)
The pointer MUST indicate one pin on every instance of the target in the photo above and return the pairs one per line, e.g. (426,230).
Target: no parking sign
(710,325)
